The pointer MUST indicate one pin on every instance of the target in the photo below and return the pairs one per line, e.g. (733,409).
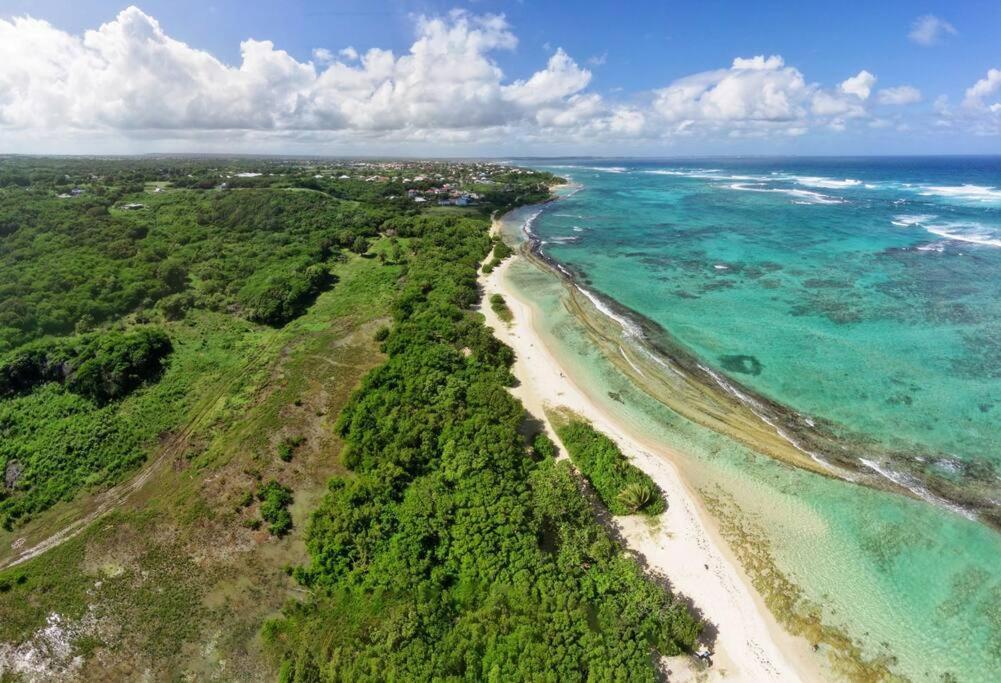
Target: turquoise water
(863,295)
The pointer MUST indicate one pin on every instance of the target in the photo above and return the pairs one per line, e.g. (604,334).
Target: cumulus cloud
(901,94)
(755,89)
(560,79)
(859,85)
(130,75)
(128,78)
(980,110)
(837,104)
(929,30)
(985,87)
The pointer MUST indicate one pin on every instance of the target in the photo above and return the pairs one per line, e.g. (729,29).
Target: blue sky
(606,78)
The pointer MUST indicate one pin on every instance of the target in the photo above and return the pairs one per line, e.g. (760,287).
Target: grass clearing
(177,583)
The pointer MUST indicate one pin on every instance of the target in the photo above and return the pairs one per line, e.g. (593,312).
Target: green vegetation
(621,486)
(543,446)
(499,307)
(283,296)
(449,552)
(275,500)
(214,328)
(244,386)
(286,449)
(501,251)
(101,367)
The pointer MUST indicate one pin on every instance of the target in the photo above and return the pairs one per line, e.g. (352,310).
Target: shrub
(500,307)
(101,366)
(288,446)
(285,295)
(543,446)
(621,486)
(501,250)
(275,500)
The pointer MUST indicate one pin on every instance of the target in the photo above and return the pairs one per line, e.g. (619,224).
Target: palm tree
(635,496)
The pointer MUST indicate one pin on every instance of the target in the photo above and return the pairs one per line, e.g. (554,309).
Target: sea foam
(804,196)
(826,183)
(968,193)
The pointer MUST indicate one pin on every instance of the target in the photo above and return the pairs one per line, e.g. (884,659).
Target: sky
(486,78)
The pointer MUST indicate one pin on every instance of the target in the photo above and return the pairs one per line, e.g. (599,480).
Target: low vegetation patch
(500,307)
(500,252)
(275,500)
(287,447)
(622,487)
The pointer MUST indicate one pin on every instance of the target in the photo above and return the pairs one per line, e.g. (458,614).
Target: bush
(622,487)
(499,307)
(543,446)
(285,295)
(275,500)
(112,365)
(501,250)
(101,366)
(288,446)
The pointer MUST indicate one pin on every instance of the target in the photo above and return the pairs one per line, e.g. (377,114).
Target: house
(76,192)
(133,207)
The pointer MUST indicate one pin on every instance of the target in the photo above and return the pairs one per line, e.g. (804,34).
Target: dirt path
(116,496)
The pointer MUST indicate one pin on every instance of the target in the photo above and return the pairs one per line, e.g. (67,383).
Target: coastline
(684,544)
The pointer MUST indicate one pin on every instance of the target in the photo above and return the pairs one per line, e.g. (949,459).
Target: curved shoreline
(684,545)
(660,365)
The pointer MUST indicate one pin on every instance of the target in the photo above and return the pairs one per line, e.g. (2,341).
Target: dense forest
(453,546)
(92,248)
(454,550)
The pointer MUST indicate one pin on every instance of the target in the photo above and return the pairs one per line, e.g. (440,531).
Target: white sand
(684,545)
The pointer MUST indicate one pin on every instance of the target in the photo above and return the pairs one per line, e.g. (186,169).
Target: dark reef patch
(745,365)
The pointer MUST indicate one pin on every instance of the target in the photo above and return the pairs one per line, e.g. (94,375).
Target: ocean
(822,339)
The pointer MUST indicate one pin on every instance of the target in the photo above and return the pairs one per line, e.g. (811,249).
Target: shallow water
(855,316)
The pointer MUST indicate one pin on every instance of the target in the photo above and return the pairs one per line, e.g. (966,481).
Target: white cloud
(322,55)
(129,75)
(129,80)
(751,90)
(929,30)
(836,104)
(980,111)
(598,60)
(985,87)
(560,79)
(859,85)
(901,94)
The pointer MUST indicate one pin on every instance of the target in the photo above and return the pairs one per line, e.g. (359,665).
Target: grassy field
(177,581)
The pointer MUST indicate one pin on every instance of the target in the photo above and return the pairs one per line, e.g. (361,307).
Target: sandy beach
(683,544)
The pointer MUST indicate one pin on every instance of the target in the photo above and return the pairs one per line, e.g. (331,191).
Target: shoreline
(684,545)
(643,350)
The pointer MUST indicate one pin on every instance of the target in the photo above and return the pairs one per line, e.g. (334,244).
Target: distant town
(429,183)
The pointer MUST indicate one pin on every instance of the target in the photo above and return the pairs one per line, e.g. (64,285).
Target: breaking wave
(968,193)
(804,196)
